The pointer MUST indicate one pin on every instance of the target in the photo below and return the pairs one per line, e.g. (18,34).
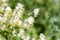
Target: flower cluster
(11,20)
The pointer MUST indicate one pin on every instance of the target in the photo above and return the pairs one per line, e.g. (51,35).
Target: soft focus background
(43,20)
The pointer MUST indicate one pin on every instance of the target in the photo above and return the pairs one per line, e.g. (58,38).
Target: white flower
(42,36)
(29,20)
(25,25)
(20,13)
(21,33)
(7,12)
(19,6)
(21,30)
(36,12)
(8,9)
(17,21)
(26,37)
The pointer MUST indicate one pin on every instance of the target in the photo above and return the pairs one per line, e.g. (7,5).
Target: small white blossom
(19,6)
(25,25)
(42,36)
(8,9)
(20,13)
(21,30)
(36,12)
(30,20)
(7,12)
(17,21)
